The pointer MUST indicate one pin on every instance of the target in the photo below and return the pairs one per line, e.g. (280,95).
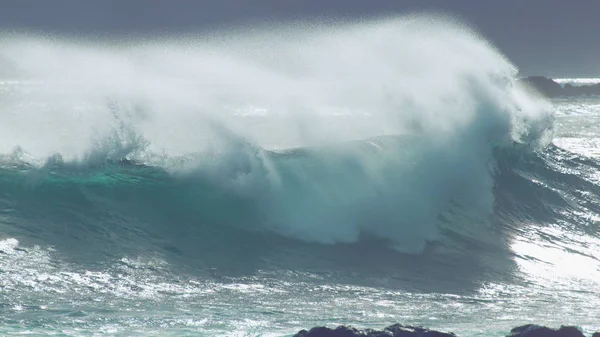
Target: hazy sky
(559,38)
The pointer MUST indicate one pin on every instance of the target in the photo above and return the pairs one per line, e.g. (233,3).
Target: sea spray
(266,181)
(215,107)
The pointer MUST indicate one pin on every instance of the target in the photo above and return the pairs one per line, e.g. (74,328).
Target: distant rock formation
(549,88)
(398,330)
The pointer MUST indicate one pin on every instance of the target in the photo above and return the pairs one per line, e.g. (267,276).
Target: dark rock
(340,331)
(533,330)
(569,331)
(395,330)
(398,330)
(530,330)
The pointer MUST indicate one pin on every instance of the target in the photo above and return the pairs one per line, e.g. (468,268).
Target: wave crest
(388,125)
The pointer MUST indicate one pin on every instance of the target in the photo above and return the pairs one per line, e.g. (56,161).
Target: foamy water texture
(261,180)
(175,97)
(578,81)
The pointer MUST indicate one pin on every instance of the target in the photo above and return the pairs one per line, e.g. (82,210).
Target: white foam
(578,81)
(286,86)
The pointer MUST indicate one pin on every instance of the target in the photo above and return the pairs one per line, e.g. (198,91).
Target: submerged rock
(340,331)
(397,330)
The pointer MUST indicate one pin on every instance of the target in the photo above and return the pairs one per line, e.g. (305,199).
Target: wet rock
(340,331)
(395,330)
(533,330)
(398,330)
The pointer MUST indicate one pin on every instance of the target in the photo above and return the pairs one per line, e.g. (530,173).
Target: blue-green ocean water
(125,249)
(260,184)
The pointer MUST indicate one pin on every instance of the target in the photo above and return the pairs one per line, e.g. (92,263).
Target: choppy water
(156,190)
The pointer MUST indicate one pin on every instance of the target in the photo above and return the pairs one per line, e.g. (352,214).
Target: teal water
(259,183)
(87,262)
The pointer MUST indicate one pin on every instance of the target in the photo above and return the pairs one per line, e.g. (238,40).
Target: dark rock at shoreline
(395,330)
(549,88)
(533,330)
(398,330)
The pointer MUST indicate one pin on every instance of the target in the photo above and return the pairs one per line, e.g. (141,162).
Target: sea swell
(185,146)
(266,181)
(323,196)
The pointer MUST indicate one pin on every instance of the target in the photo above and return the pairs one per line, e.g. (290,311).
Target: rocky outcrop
(395,330)
(398,330)
(533,330)
(550,88)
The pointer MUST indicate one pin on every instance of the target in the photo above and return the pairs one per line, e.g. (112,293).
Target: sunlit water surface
(555,281)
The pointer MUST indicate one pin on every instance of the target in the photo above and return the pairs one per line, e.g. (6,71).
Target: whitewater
(261,180)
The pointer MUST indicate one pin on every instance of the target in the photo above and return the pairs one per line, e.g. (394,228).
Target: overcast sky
(559,38)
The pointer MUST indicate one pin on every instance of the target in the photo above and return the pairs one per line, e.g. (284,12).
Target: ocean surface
(258,183)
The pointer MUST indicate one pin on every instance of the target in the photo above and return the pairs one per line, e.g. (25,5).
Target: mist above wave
(233,95)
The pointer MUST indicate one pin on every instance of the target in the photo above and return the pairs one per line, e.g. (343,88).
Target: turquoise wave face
(398,193)
(123,230)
